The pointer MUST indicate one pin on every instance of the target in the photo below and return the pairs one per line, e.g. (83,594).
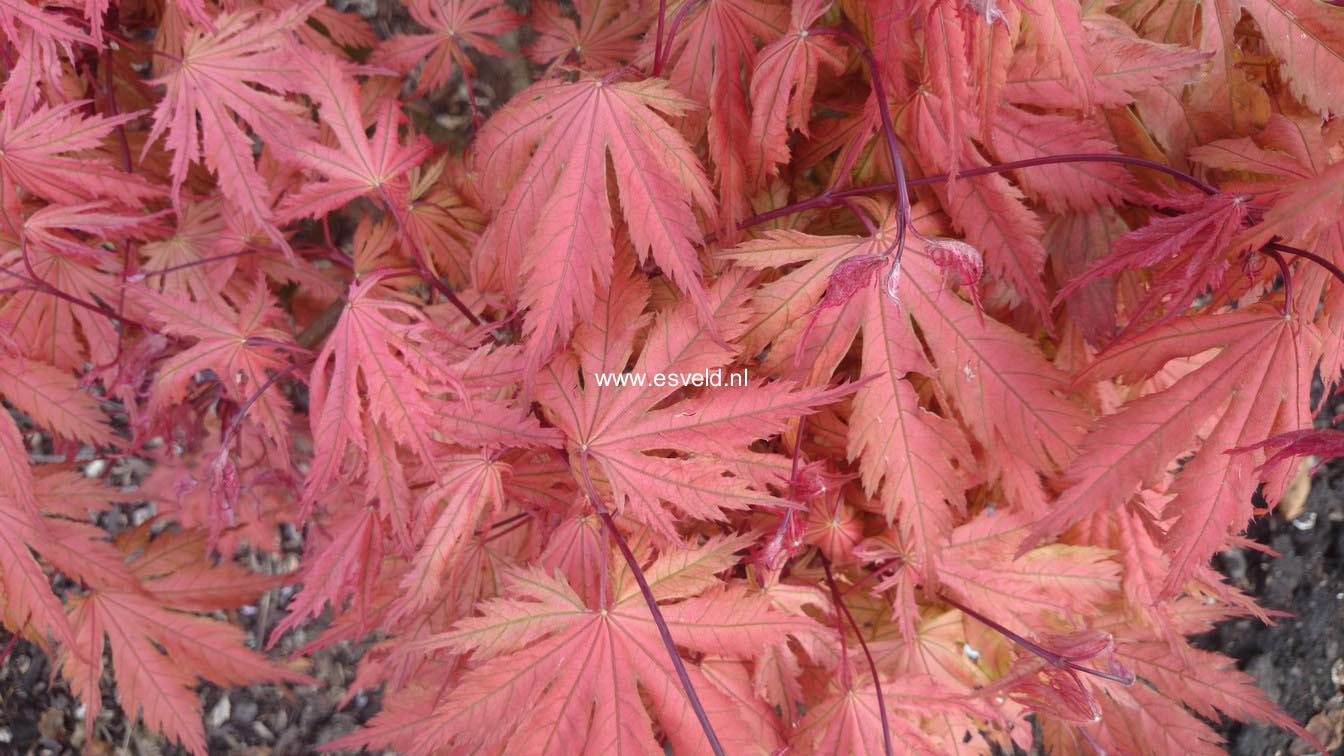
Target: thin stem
(897,246)
(188,265)
(872,665)
(1049,656)
(1287,279)
(422,264)
(42,287)
(877,571)
(832,197)
(122,141)
(133,47)
(502,523)
(471,99)
(232,431)
(1312,256)
(280,346)
(609,524)
(1080,157)
(504,531)
(658,40)
(15,638)
(682,12)
(867,222)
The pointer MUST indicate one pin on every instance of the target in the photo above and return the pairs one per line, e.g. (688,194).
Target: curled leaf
(851,275)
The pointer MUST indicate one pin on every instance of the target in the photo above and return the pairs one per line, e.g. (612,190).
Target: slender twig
(188,265)
(502,523)
(232,431)
(832,197)
(133,47)
(881,567)
(426,270)
(42,287)
(1312,256)
(504,531)
(1287,278)
(609,524)
(872,665)
(686,7)
(122,141)
(897,246)
(657,69)
(1049,656)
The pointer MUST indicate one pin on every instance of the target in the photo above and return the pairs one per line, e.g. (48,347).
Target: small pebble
(219,714)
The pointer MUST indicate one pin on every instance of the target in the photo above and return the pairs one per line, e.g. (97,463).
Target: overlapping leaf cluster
(1008,283)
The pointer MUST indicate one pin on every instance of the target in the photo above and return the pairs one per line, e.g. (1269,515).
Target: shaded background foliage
(256,281)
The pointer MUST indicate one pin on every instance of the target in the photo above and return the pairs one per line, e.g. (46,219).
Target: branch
(609,524)
(832,197)
(872,665)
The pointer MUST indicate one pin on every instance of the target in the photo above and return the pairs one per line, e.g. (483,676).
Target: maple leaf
(1117,63)
(1323,444)
(153,685)
(1055,36)
(523,646)
(1306,197)
(385,368)
(714,43)
(1206,682)
(1191,250)
(454,25)
(1264,359)
(470,487)
(624,429)
(48,151)
(453,473)
(199,258)
(28,598)
(242,348)
(361,165)
(605,35)
(552,229)
(1307,37)
(850,719)
(61,331)
(1045,585)
(1018,135)
(991,212)
(440,220)
(211,92)
(917,457)
(784,80)
(53,399)
(41,32)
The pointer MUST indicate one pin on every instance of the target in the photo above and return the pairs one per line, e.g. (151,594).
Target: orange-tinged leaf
(605,35)
(597,678)
(46,151)
(359,165)
(553,228)
(1307,36)
(784,80)
(1261,363)
(453,25)
(212,88)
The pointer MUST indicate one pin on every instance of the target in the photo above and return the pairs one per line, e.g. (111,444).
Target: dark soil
(39,716)
(1300,661)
